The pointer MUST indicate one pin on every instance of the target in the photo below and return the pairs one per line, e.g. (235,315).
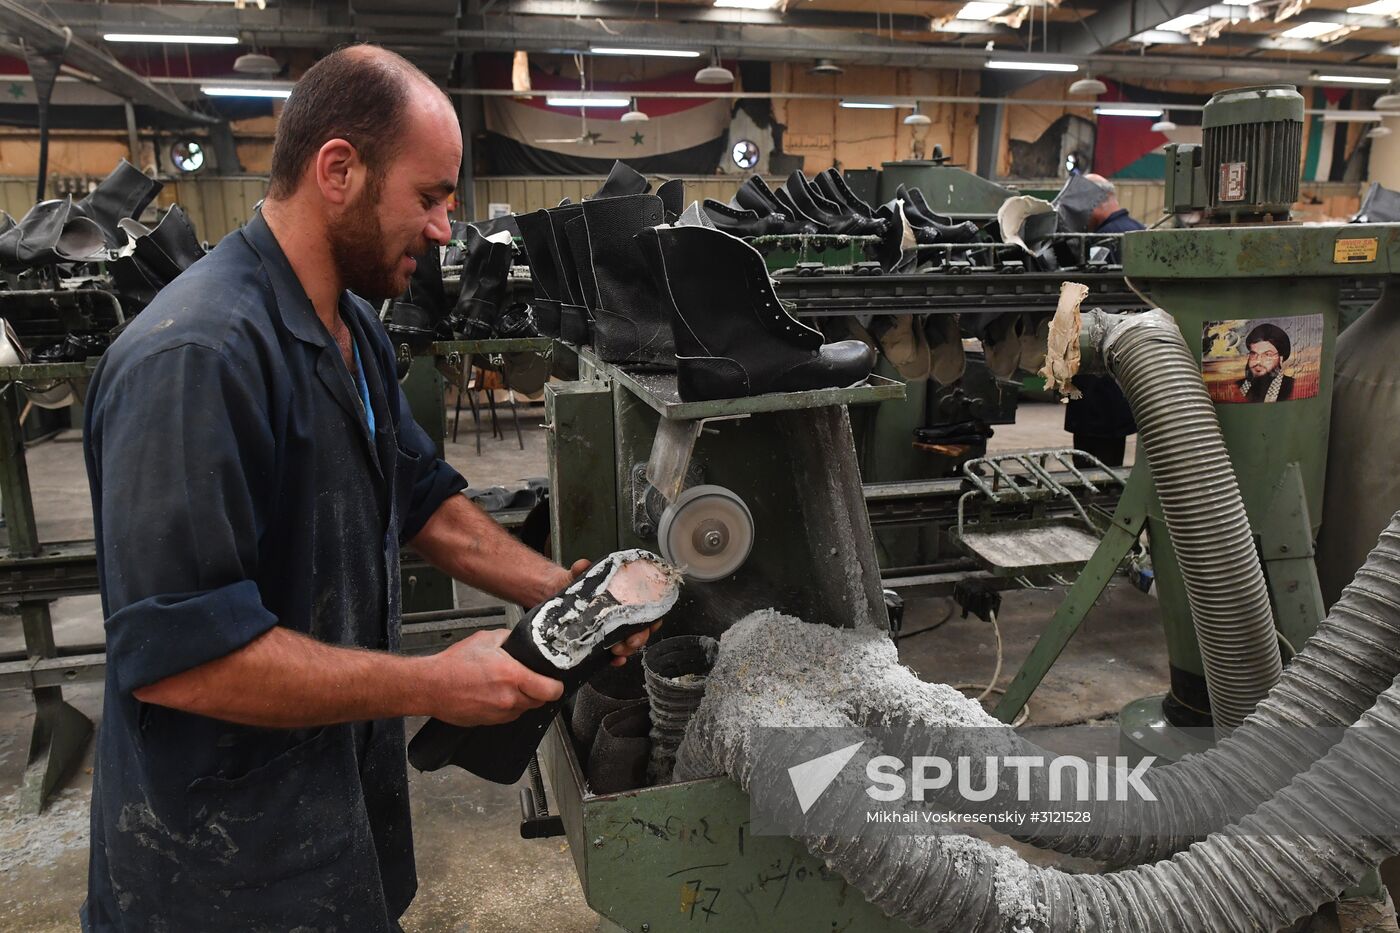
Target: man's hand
(475,683)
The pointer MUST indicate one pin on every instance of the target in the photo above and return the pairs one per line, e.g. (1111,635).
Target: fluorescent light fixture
(1184,22)
(654,53)
(1350,79)
(1379,8)
(216,90)
(178,40)
(867,105)
(1234,3)
(746,4)
(588,101)
(1352,116)
(1309,30)
(1016,64)
(981,10)
(1127,110)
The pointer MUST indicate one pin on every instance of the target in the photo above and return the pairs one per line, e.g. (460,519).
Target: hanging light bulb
(714,72)
(1163,126)
(916,118)
(1388,101)
(1378,132)
(634,115)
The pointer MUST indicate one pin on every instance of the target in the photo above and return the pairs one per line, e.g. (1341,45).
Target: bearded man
(1269,347)
(254,472)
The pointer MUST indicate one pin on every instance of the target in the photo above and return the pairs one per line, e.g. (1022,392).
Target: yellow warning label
(1359,250)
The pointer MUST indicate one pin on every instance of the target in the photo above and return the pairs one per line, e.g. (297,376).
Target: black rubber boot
(567,637)
(538,237)
(50,233)
(169,248)
(124,193)
(734,338)
(929,226)
(485,271)
(576,232)
(630,323)
(622,180)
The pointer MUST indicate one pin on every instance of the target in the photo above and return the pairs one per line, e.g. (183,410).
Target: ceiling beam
(798,18)
(36,32)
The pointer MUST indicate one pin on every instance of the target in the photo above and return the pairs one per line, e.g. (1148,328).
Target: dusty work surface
(475,873)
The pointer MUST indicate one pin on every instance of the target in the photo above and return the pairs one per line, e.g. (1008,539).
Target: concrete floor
(475,872)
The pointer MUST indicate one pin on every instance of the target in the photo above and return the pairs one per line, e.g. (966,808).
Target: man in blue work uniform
(1101,420)
(254,473)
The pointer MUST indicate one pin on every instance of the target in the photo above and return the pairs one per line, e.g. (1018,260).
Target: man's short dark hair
(348,95)
(1271,333)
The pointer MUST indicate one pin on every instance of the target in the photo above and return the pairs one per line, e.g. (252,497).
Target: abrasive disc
(707,532)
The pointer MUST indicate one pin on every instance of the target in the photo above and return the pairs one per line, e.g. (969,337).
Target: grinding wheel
(707,532)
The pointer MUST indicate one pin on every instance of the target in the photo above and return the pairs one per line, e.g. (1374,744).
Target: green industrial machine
(763,495)
(1219,282)
(947,188)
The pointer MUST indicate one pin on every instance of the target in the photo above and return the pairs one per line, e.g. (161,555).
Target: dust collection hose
(1296,851)
(1200,498)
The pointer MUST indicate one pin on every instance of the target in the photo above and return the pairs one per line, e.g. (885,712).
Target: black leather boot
(576,231)
(568,638)
(741,223)
(50,233)
(672,195)
(170,247)
(419,316)
(485,271)
(630,323)
(124,193)
(754,195)
(837,219)
(831,184)
(931,227)
(574,316)
(538,236)
(622,180)
(734,338)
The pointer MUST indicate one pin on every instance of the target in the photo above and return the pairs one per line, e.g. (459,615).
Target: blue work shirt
(236,485)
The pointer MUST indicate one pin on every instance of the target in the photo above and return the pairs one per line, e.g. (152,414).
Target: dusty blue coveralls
(236,486)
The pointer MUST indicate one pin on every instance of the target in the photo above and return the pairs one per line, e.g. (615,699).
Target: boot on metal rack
(622,180)
(419,316)
(547,305)
(929,226)
(485,269)
(754,195)
(833,185)
(734,338)
(741,223)
(836,217)
(630,323)
(672,195)
(124,193)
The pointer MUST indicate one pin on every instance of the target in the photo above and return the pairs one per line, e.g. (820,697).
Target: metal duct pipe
(1201,503)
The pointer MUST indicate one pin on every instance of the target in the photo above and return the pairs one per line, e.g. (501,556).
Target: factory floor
(475,872)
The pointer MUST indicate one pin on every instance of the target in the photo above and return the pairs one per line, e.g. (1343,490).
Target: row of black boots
(649,284)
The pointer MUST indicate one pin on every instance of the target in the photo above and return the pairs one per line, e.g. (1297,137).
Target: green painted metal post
(582,470)
(60,731)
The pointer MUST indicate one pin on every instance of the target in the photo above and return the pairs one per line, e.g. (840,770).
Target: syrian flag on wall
(1126,147)
(1326,157)
(684,136)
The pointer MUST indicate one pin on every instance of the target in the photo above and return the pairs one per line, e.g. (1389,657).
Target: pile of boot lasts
(653,284)
(61,234)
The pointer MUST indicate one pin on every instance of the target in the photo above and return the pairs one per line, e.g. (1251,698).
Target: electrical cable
(952,607)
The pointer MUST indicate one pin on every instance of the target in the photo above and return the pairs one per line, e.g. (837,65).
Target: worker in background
(1101,420)
(254,472)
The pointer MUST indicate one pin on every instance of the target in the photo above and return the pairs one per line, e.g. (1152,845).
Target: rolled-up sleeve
(183,483)
(433,480)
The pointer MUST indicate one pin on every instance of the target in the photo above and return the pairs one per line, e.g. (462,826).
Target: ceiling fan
(585,137)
